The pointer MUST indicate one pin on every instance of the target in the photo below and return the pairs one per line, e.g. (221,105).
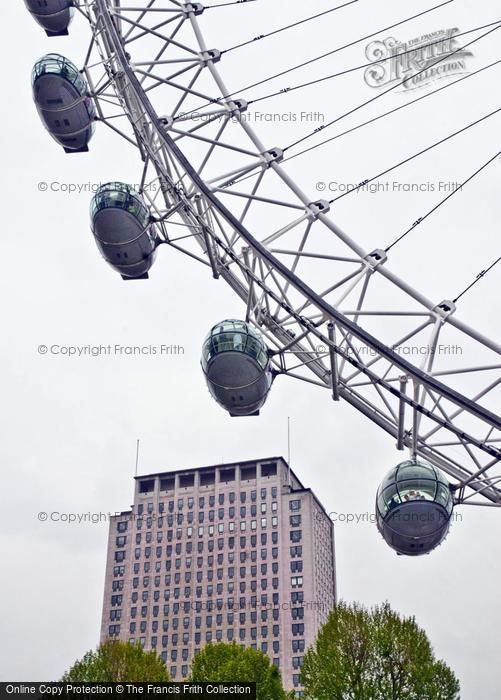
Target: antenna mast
(289,451)
(137,454)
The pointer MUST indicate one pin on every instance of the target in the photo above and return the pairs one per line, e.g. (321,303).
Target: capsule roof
(120,195)
(413,480)
(233,325)
(233,335)
(56,64)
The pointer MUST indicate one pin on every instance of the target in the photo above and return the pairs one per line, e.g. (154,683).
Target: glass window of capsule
(120,196)
(413,480)
(59,65)
(235,336)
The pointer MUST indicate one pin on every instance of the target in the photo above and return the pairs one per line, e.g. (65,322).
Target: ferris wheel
(316,305)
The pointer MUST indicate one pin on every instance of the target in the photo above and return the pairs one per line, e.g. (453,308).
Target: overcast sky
(70,424)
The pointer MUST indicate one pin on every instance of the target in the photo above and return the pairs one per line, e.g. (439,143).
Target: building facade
(236,552)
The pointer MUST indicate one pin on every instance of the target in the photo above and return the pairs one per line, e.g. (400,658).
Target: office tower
(235,552)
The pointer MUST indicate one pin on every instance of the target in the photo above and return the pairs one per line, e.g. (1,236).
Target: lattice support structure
(333,314)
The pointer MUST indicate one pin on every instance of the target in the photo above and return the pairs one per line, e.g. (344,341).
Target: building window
(269,469)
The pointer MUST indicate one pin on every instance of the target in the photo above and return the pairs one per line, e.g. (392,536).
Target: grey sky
(70,424)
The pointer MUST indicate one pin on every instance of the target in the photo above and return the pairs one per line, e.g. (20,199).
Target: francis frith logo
(418,62)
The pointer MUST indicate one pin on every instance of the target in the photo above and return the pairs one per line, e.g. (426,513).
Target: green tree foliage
(230,663)
(375,654)
(116,661)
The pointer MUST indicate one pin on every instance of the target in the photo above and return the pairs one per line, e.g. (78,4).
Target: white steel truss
(333,314)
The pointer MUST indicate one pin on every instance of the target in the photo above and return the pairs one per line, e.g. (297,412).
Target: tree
(116,661)
(375,654)
(231,663)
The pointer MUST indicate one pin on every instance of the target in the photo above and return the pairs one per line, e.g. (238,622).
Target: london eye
(318,306)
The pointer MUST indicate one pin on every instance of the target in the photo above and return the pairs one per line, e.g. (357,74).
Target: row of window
(209,620)
(220,619)
(147,565)
(296,597)
(145,593)
(211,528)
(122,525)
(209,636)
(208,574)
(180,518)
(297,607)
(295,536)
(120,555)
(211,500)
(188,546)
(297,645)
(217,620)
(207,563)
(211,560)
(294,521)
(220,573)
(296,582)
(230,587)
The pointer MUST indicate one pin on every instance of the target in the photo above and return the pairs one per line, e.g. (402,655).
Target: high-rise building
(235,552)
